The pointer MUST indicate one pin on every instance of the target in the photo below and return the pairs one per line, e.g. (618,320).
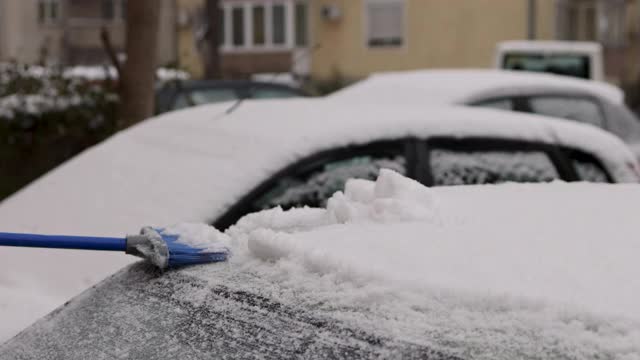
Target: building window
(48,11)
(123,9)
(279,24)
(259,37)
(590,20)
(221,26)
(108,10)
(264,25)
(385,23)
(611,22)
(301,22)
(237,15)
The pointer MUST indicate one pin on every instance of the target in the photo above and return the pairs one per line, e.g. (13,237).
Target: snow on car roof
(389,267)
(191,165)
(461,86)
(551,46)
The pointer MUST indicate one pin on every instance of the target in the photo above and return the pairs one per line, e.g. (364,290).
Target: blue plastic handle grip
(63,242)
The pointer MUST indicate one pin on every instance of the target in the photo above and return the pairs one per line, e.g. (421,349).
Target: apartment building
(68,31)
(613,23)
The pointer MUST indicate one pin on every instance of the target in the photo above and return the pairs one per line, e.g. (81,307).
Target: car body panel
(458,86)
(492,272)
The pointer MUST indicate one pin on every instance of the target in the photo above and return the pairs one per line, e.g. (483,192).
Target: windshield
(204,96)
(562,64)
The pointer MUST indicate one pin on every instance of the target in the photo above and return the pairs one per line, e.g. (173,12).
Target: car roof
(455,86)
(492,272)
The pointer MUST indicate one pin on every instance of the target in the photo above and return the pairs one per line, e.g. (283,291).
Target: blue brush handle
(63,242)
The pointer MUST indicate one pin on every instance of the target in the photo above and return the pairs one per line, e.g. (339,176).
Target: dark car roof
(165,96)
(197,84)
(204,312)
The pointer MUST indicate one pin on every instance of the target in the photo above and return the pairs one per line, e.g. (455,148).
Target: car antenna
(274,76)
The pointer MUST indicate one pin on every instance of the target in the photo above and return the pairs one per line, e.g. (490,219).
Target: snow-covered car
(389,269)
(200,165)
(585,101)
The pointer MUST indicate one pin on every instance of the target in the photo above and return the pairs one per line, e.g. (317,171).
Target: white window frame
(367,24)
(227,45)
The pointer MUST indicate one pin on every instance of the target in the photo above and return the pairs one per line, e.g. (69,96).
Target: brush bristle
(182,254)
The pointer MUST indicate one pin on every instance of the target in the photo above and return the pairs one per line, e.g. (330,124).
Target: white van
(571,58)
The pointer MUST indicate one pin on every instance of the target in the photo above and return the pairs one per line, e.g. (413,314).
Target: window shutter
(385,23)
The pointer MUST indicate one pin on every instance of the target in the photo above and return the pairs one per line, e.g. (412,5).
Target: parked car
(589,102)
(581,59)
(180,94)
(187,166)
(389,269)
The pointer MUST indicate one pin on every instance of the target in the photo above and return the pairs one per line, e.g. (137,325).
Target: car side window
(574,108)
(272,93)
(451,167)
(500,104)
(587,167)
(317,183)
(189,98)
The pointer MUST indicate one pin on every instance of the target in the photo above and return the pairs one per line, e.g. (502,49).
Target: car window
(456,167)
(501,104)
(569,65)
(587,167)
(579,109)
(316,187)
(316,183)
(589,171)
(203,96)
(272,93)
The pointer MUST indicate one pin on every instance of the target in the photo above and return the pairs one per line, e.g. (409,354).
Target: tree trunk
(213,20)
(138,74)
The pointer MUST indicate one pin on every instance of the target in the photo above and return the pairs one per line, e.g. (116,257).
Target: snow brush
(161,249)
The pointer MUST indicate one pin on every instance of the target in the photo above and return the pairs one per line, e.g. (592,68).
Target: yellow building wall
(189,58)
(439,33)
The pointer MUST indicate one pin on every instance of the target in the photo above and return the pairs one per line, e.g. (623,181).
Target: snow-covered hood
(462,86)
(484,272)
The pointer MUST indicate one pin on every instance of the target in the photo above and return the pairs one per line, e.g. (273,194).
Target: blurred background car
(589,102)
(579,59)
(180,94)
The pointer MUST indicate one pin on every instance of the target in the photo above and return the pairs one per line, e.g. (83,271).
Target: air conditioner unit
(331,12)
